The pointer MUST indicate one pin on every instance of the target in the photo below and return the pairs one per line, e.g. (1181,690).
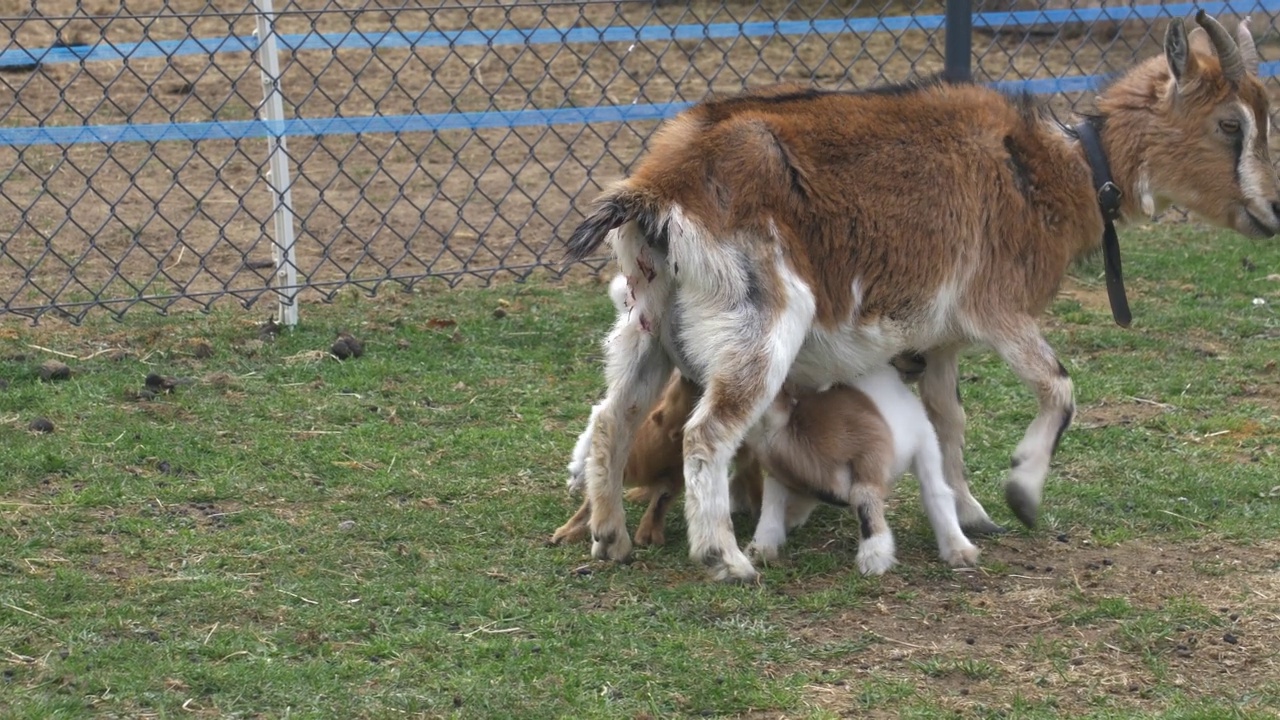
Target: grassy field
(288,535)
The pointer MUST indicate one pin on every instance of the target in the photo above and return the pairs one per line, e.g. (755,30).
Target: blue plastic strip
(356,39)
(192,132)
(160,132)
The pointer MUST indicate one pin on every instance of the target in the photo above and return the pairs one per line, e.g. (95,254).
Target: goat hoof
(731,566)
(876,555)
(983,527)
(650,538)
(963,557)
(566,534)
(763,553)
(1023,504)
(614,546)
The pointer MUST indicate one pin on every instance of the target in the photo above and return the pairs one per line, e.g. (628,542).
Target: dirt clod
(1230,639)
(52,370)
(357,347)
(41,425)
(499,313)
(346,346)
(201,350)
(158,383)
(347,525)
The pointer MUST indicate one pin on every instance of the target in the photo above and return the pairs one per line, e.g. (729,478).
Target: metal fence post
(272,110)
(959,41)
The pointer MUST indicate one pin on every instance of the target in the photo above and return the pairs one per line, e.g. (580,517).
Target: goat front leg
(637,369)
(940,391)
(771,529)
(939,502)
(1034,362)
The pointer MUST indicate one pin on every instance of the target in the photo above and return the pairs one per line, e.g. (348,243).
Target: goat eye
(1230,127)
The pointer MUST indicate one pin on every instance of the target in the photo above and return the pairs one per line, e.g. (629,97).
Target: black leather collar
(1109,197)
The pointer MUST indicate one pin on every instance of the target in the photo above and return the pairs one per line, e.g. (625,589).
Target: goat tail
(618,206)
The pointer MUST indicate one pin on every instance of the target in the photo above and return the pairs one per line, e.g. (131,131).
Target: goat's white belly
(849,352)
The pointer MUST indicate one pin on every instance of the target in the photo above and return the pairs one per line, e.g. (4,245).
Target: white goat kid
(847,446)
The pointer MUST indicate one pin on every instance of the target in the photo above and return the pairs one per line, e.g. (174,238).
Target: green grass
(295,536)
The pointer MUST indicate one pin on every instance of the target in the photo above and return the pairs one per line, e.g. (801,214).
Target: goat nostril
(1275,208)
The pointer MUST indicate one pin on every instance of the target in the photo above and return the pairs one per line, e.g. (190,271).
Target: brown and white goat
(797,234)
(847,446)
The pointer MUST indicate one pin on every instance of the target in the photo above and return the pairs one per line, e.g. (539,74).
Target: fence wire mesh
(443,140)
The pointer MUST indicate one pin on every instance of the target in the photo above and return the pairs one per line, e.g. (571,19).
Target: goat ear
(1177,51)
(1199,42)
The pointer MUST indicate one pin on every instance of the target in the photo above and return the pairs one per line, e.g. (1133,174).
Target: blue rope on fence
(235,130)
(362,40)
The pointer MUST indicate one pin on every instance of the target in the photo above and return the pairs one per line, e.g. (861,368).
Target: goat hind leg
(1034,362)
(576,527)
(637,369)
(940,391)
(876,551)
(652,528)
(578,463)
(736,397)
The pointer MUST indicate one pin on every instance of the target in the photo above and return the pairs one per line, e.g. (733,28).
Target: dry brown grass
(177,218)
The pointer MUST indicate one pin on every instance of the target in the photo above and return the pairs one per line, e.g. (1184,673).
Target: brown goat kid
(655,468)
(655,465)
(802,235)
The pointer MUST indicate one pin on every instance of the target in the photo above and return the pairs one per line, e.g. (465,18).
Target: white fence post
(272,110)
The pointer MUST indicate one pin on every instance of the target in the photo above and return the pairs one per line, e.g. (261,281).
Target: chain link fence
(446,140)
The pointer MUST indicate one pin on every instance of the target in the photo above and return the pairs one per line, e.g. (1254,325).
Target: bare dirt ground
(1049,630)
(182,218)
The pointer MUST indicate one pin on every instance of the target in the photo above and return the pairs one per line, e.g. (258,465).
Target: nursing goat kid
(793,234)
(846,446)
(655,466)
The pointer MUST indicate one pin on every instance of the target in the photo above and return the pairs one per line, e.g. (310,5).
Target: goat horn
(1228,51)
(1248,51)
